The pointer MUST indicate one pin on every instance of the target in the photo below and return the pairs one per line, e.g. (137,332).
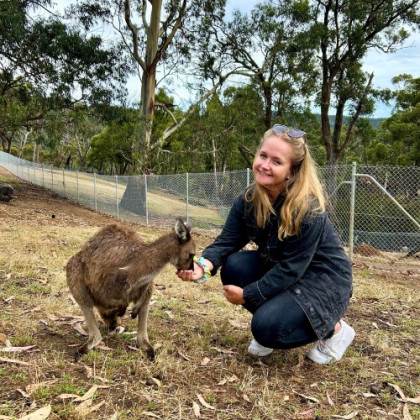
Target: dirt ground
(206,373)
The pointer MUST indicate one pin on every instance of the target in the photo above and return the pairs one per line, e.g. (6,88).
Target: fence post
(247,177)
(352,209)
(186,196)
(64,183)
(116,196)
(94,191)
(145,195)
(77,185)
(52,178)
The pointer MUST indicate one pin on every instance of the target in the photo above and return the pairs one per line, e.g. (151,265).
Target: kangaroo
(116,267)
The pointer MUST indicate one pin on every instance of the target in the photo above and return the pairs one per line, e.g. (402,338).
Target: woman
(298,283)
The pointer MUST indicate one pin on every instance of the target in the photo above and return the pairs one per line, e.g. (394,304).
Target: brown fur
(116,267)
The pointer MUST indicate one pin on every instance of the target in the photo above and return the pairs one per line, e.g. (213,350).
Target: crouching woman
(298,282)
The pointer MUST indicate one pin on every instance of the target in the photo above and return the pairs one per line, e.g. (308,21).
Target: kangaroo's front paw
(151,354)
(134,313)
(148,349)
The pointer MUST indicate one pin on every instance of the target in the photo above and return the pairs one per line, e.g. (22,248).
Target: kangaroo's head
(184,260)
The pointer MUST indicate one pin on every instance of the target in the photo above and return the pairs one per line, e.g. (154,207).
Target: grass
(201,340)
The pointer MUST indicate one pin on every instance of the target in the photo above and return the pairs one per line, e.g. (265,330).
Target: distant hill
(374,121)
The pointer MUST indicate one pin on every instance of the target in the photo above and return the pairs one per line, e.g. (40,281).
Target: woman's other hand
(234,294)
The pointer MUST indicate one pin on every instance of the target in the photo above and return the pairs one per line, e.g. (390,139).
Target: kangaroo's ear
(183,231)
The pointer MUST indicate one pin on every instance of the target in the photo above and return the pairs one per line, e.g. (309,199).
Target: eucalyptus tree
(269,48)
(160,38)
(346,31)
(43,57)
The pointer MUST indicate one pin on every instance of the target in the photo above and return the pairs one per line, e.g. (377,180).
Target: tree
(154,34)
(269,48)
(346,30)
(42,58)
(398,138)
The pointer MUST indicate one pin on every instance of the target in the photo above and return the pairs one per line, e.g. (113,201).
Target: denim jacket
(311,266)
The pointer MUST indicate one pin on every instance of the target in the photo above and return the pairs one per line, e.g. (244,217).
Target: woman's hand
(190,275)
(234,294)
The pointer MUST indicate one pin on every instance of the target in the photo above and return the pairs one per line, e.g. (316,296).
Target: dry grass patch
(202,368)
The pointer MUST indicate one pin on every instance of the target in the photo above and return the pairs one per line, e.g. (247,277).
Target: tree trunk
(134,197)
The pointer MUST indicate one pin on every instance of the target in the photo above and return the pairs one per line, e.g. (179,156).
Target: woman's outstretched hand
(191,275)
(234,294)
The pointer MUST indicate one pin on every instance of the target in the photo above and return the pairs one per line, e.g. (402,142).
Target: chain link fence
(374,208)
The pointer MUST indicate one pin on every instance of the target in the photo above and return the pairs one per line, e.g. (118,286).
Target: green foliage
(398,138)
(48,65)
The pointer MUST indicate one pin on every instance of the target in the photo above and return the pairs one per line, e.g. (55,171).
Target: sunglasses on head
(294,133)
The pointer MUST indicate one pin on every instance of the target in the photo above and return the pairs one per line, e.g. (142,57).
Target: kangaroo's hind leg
(77,286)
(141,308)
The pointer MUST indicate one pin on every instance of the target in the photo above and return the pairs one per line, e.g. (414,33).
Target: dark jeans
(279,322)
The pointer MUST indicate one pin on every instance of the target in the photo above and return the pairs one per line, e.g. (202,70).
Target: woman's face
(273,165)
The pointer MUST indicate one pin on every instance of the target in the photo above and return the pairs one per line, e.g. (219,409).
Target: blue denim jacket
(311,266)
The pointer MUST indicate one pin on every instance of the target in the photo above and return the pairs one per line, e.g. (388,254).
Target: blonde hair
(304,193)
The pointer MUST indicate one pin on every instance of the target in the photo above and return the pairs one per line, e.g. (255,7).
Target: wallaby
(116,267)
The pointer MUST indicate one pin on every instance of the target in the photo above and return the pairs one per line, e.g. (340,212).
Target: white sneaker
(332,349)
(257,349)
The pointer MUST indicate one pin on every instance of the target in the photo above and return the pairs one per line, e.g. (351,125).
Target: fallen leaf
(205,361)
(87,395)
(196,410)
(203,302)
(67,396)
(246,398)
(387,323)
(17,349)
(149,414)
(375,325)
(311,399)
(330,401)
(155,381)
(222,382)
(368,395)
(9,299)
(398,389)
(17,362)
(406,413)
(204,403)
(347,417)
(303,413)
(233,378)
(183,356)
(87,410)
(286,398)
(415,400)
(40,414)
(23,393)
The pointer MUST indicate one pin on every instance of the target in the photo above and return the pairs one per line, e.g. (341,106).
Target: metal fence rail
(378,206)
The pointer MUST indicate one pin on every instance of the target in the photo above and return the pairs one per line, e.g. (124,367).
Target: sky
(384,66)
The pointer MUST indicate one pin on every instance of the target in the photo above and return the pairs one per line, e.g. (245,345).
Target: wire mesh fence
(370,206)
